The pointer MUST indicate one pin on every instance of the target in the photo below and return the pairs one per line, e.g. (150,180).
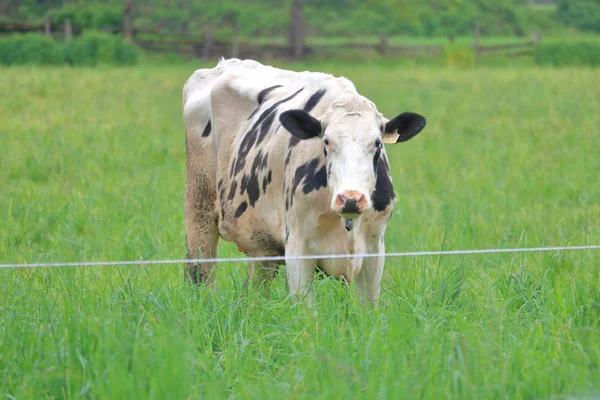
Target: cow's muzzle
(350,203)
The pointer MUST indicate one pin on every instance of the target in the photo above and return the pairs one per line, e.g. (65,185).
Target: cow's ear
(403,127)
(301,124)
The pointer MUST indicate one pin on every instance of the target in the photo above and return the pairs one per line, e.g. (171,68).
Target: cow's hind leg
(201,225)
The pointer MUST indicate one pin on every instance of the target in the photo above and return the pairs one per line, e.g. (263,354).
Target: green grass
(92,168)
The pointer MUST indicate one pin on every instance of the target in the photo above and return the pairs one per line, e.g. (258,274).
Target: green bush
(98,47)
(568,53)
(30,48)
(90,49)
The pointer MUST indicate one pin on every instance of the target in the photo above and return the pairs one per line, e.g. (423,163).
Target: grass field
(92,168)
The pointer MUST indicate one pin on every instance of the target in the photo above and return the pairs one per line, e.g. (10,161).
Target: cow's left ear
(301,124)
(403,127)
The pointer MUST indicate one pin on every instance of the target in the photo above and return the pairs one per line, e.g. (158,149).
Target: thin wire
(303,257)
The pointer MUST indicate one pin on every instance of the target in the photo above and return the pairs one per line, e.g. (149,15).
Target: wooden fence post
(383,45)
(476,42)
(297,30)
(68,29)
(127,20)
(207,42)
(235,40)
(47,28)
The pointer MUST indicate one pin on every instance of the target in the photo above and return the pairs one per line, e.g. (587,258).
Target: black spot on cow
(247,143)
(263,160)
(267,180)
(232,190)
(376,160)
(262,95)
(267,244)
(310,177)
(265,127)
(251,183)
(273,108)
(287,158)
(384,191)
(221,187)
(243,184)
(241,209)
(315,182)
(251,137)
(287,234)
(253,189)
(206,130)
(314,99)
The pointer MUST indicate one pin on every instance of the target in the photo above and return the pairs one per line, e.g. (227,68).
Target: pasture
(92,168)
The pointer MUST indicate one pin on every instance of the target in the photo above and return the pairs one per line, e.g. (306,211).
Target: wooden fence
(152,40)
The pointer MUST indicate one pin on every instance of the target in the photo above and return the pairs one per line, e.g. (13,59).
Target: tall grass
(92,168)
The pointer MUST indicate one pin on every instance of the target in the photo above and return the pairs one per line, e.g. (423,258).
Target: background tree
(580,14)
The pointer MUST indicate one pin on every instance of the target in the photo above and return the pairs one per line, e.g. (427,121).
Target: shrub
(573,53)
(30,48)
(98,47)
(89,49)
(459,55)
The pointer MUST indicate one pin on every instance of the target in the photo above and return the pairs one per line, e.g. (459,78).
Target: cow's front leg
(300,273)
(368,280)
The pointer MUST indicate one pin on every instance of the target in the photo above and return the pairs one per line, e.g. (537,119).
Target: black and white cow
(288,163)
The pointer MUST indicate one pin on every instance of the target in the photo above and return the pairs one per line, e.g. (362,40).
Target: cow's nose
(351,206)
(350,202)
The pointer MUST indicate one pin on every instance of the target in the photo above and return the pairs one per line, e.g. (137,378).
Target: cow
(286,163)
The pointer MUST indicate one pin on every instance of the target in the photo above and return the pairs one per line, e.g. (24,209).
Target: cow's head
(353,137)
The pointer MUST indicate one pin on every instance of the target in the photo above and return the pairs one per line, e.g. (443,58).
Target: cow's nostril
(351,206)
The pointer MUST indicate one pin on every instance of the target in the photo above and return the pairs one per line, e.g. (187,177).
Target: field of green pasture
(92,168)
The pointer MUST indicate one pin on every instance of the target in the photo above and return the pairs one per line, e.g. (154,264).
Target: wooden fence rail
(153,40)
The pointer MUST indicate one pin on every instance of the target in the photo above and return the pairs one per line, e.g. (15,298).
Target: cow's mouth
(348,215)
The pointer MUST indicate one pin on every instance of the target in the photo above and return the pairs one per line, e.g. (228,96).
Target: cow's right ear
(301,124)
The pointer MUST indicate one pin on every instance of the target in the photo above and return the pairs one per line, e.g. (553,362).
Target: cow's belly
(258,231)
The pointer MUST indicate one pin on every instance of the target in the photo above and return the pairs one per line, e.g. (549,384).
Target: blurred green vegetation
(89,49)
(568,28)
(565,52)
(430,18)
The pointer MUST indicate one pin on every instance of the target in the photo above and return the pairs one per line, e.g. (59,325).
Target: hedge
(568,53)
(90,49)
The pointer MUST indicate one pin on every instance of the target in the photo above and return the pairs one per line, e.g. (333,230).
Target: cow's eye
(378,144)
(326,141)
